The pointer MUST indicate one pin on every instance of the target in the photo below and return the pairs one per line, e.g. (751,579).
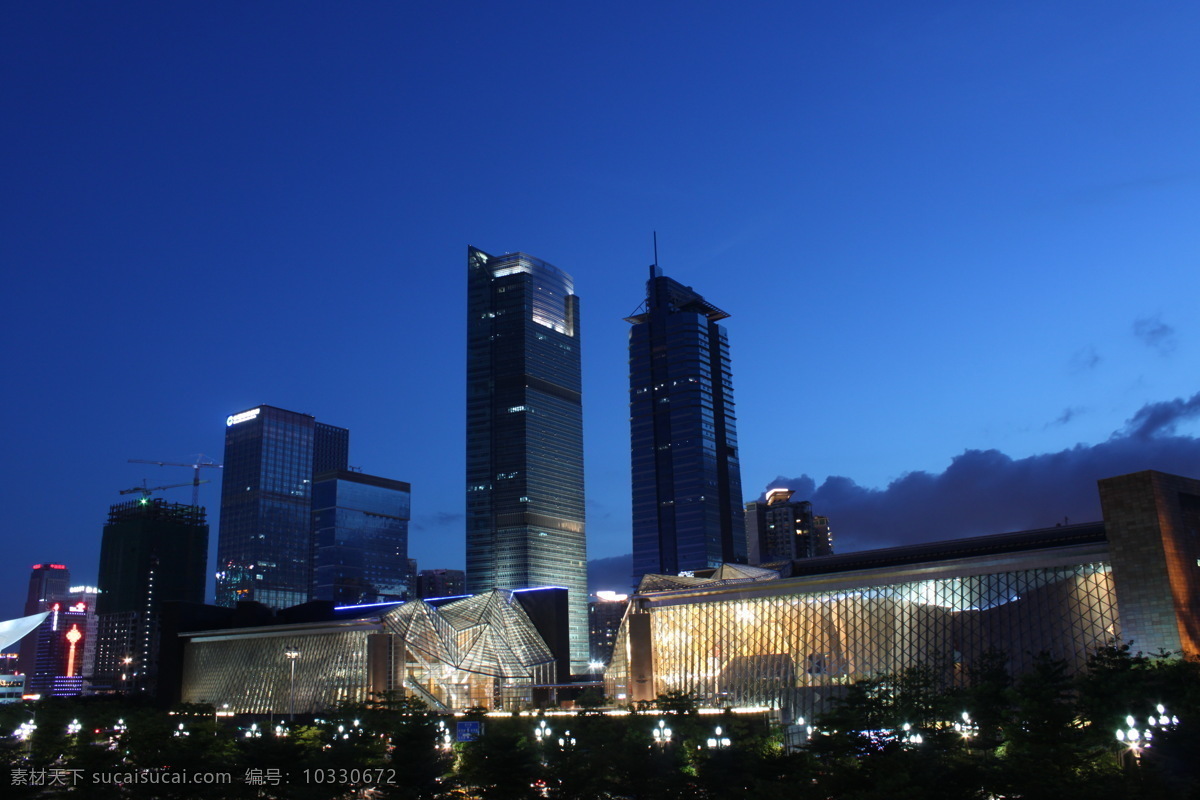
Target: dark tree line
(1041,734)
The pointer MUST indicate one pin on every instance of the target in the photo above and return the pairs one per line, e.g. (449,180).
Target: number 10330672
(377,776)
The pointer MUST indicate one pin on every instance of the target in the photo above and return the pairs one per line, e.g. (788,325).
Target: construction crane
(199,464)
(146,490)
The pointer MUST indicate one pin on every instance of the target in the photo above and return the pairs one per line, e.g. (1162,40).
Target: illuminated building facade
(360,538)
(152,552)
(794,638)
(60,642)
(687,485)
(778,529)
(458,653)
(48,584)
(525,504)
(264,547)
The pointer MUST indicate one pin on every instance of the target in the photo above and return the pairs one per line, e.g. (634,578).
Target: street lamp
(292,654)
(662,734)
(718,741)
(542,732)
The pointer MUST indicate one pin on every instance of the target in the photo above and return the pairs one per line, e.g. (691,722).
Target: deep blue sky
(940,228)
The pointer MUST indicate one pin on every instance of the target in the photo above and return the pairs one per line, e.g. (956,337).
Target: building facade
(441,583)
(481,651)
(61,644)
(264,547)
(360,538)
(605,612)
(795,638)
(687,485)
(778,529)
(48,584)
(152,552)
(525,502)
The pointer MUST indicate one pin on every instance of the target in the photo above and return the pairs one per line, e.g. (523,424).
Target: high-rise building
(59,664)
(360,538)
(48,584)
(525,508)
(152,552)
(687,485)
(606,610)
(264,548)
(779,529)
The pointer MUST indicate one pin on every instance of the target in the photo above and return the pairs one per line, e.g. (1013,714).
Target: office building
(441,583)
(795,637)
(264,547)
(687,485)
(48,584)
(525,507)
(778,529)
(605,612)
(61,645)
(360,538)
(152,552)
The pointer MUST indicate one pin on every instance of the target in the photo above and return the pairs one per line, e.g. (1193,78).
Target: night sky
(958,242)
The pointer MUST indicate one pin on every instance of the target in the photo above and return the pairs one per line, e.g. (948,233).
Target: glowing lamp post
(292,654)
(662,734)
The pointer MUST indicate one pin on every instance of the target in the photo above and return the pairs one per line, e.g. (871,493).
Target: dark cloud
(438,519)
(1161,418)
(1155,333)
(1066,416)
(986,491)
(611,574)
(1085,359)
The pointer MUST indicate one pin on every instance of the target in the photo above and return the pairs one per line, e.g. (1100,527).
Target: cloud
(611,574)
(1066,416)
(1156,334)
(438,519)
(1085,359)
(986,491)
(1161,418)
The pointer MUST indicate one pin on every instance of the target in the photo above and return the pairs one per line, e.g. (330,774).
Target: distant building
(264,548)
(605,612)
(360,544)
(687,484)
(152,552)
(48,584)
(441,583)
(779,529)
(794,637)
(525,502)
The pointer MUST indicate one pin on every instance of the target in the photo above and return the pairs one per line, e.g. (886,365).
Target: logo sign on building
(245,416)
(469,731)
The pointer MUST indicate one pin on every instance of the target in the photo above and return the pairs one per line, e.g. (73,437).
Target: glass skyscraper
(264,547)
(360,538)
(525,510)
(687,484)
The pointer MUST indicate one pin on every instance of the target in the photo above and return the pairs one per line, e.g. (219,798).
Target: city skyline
(958,244)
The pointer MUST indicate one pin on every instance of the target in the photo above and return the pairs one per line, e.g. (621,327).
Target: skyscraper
(687,485)
(360,544)
(525,509)
(151,552)
(264,549)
